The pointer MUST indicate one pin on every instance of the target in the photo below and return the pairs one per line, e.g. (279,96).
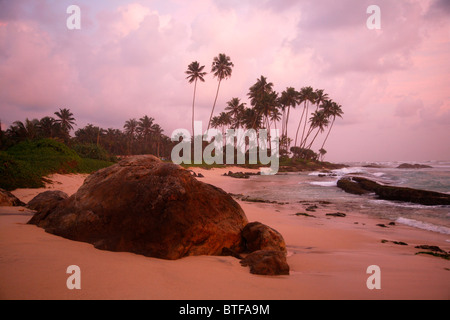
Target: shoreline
(328,257)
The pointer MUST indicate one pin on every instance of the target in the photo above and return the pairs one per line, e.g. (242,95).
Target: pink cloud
(129,60)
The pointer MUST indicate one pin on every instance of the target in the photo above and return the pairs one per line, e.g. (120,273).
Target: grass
(26,164)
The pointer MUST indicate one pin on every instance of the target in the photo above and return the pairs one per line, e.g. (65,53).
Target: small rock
(305,214)
(266,262)
(258,236)
(8,199)
(337,214)
(431,248)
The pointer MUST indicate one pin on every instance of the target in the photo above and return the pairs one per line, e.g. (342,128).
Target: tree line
(139,136)
(269,108)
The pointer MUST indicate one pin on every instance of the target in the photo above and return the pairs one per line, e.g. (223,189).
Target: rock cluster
(157,209)
(240,174)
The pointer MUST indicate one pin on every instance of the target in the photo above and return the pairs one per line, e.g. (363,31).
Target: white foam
(325,183)
(379,174)
(423,225)
(350,170)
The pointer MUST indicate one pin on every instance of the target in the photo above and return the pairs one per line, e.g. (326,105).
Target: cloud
(129,59)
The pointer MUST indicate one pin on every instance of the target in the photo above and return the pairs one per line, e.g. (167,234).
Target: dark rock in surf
(412,166)
(359,185)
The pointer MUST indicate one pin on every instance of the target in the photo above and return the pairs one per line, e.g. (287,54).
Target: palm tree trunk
(310,145)
(306,119)
(298,128)
(193,103)
(214,105)
(323,144)
(286,127)
(303,143)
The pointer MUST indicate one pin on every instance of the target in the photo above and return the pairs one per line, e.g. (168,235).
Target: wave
(325,183)
(423,225)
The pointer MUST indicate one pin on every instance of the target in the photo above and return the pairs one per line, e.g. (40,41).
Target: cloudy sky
(129,58)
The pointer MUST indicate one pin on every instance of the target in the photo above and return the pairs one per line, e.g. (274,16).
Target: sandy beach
(328,258)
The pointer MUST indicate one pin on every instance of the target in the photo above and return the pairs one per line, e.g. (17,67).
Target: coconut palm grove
(266,109)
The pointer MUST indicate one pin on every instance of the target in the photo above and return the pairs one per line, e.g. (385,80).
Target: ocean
(314,186)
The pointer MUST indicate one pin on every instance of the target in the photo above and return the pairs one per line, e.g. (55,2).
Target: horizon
(129,58)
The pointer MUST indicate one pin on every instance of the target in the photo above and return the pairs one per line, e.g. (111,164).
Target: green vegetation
(26,164)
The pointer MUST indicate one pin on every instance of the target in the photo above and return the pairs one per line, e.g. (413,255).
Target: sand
(328,258)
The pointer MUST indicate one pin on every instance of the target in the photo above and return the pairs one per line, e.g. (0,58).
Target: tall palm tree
(195,72)
(321,97)
(333,110)
(259,95)
(65,119)
(288,99)
(222,69)
(307,95)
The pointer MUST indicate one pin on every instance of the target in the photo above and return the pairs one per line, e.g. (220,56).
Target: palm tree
(47,127)
(321,97)
(288,99)
(157,130)
(307,95)
(318,120)
(195,72)
(259,95)
(144,128)
(331,109)
(66,119)
(130,127)
(235,109)
(221,68)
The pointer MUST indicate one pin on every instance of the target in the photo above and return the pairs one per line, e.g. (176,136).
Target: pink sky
(129,60)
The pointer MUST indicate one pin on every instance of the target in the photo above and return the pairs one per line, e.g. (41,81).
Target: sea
(317,186)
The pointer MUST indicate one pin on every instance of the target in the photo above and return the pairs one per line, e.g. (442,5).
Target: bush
(16,174)
(92,151)
(26,164)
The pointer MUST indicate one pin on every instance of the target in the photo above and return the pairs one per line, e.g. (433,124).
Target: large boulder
(148,207)
(8,199)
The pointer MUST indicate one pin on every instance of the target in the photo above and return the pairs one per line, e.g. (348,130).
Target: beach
(328,257)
